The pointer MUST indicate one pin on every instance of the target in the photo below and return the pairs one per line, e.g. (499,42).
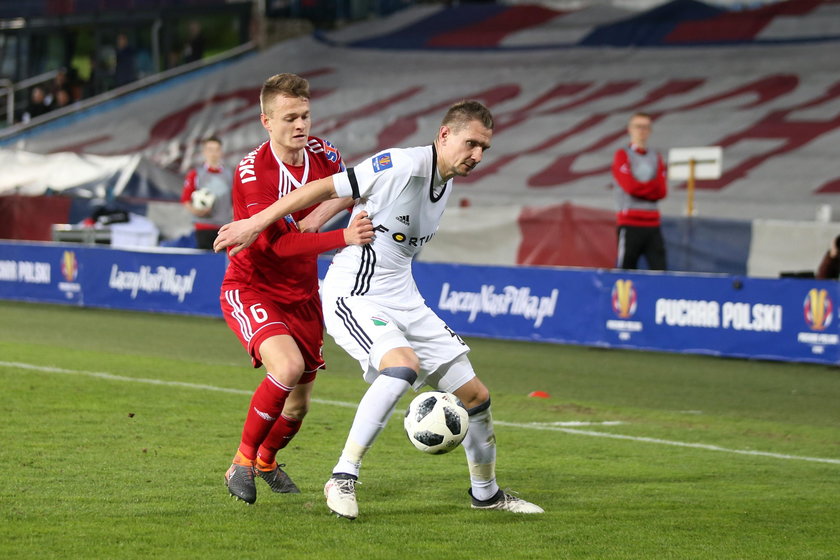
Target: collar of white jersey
(436,178)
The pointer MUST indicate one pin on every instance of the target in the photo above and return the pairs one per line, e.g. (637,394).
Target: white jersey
(404,195)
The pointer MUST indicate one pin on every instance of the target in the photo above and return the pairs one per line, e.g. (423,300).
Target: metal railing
(8,89)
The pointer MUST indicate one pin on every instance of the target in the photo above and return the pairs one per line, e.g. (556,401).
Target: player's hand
(238,234)
(360,230)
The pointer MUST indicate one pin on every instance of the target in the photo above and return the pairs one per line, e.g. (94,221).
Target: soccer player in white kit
(372,306)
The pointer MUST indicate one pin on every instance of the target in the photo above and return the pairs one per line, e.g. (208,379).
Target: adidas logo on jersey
(403,220)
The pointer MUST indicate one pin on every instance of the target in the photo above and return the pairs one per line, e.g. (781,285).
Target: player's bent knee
(405,373)
(399,357)
(287,375)
(282,359)
(472,411)
(286,371)
(473,394)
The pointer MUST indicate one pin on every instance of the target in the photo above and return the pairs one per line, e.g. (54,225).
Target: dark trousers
(635,242)
(204,238)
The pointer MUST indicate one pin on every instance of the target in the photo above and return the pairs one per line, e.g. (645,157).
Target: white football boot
(506,502)
(340,491)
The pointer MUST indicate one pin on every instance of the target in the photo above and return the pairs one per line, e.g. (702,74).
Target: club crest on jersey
(330,151)
(382,162)
(379,322)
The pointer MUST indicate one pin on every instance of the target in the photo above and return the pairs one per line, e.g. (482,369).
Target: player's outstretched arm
(242,233)
(323,213)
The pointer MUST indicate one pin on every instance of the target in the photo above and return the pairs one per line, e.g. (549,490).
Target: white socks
(480,446)
(373,413)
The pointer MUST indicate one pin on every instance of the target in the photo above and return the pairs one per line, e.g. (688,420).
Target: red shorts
(254,317)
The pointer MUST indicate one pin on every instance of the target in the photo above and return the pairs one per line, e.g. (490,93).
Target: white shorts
(367,331)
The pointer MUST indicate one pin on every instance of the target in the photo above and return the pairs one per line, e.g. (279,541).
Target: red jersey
(282,262)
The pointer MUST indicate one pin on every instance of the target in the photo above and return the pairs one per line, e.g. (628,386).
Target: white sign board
(708,162)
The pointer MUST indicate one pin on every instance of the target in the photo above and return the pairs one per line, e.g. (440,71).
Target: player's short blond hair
(464,112)
(289,85)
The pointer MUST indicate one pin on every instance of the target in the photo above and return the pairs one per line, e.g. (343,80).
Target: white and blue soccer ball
(436,422)
(202,199)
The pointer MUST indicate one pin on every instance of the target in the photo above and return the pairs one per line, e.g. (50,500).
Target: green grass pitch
(117,428)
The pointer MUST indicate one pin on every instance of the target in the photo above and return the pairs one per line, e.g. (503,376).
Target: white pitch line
(529,426)
(668,442)
(183,384)
(575,423)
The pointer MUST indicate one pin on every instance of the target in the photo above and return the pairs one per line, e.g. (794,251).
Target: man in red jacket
(640,181)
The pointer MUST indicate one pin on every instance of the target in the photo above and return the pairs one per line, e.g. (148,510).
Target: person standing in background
(640,181)
(61,83)
(37,104)
(213,177)
(125,70)
(194,49)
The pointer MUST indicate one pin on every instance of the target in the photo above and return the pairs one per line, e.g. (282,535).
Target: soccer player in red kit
(269,295)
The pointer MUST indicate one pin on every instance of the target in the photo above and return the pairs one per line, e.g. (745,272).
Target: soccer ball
(202,199)
(436,422)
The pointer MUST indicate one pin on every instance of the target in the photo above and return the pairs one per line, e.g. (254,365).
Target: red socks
(281,433)
(266,406)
